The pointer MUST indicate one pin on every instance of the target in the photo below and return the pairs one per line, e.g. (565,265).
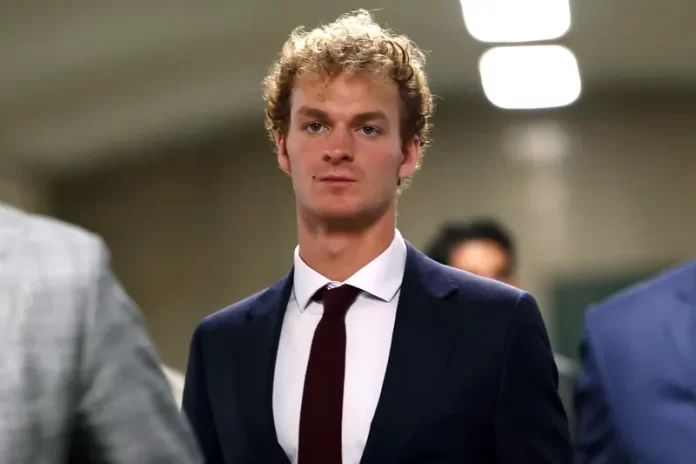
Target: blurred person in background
(481,246)
(485,247)
(368,351)
(79,378)
(636,396)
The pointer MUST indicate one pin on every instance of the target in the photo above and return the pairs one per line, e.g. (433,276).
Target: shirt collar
(381,278)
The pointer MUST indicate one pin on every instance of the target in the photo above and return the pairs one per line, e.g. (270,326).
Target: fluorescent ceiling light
(530,77)
(512,21)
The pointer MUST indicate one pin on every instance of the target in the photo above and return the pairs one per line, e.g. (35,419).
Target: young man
(367,351)
(79,378)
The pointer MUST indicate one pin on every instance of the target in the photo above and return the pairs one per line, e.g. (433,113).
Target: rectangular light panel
(512,21)
(530,76)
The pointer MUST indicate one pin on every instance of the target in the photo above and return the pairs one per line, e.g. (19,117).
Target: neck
(338,252)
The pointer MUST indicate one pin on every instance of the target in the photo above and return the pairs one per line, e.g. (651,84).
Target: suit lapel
(266,319)
(423,338)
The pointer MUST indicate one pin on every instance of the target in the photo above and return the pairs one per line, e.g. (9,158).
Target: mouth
(336,180)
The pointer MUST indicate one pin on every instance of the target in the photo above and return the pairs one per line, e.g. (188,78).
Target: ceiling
(90,82)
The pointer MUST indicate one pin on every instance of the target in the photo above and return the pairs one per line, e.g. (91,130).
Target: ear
(281,149)
(410,158)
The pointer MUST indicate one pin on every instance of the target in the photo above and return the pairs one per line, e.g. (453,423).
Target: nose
(339,147)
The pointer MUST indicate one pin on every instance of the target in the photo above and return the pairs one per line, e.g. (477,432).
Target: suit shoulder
(500,304)
(481,289)
(232,315)
(60,255)
(54,272)
(642,298)
(43,236)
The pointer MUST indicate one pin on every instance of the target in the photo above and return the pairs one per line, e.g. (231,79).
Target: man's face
(485,258)
(343,148)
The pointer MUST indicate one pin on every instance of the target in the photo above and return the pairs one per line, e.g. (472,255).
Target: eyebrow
(359,118)
(370,116)
(312,113)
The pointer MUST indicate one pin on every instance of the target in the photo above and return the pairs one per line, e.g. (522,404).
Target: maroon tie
(321,416)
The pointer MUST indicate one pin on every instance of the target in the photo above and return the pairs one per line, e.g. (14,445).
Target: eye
(314,127)
(369,130)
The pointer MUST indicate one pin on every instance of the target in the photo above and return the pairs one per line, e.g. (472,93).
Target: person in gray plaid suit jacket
(79,378)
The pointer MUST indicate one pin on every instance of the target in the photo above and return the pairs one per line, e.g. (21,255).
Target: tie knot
(337,300)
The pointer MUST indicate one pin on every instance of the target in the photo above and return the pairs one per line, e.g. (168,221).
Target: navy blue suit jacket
(470,378)
(636,398)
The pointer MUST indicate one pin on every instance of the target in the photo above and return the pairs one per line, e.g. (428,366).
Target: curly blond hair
(353,43)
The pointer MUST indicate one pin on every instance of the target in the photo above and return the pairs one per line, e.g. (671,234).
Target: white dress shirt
(369,327)
(177,379)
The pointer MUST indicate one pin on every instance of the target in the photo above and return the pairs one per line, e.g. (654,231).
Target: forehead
(479,252)
(347,94)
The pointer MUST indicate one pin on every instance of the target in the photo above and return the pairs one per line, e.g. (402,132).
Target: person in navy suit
(636,397)
(486,247)
(367,351)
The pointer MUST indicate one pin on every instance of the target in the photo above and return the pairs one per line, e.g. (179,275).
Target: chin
(346,210)
(337,206)
(339,213)
(348,218)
